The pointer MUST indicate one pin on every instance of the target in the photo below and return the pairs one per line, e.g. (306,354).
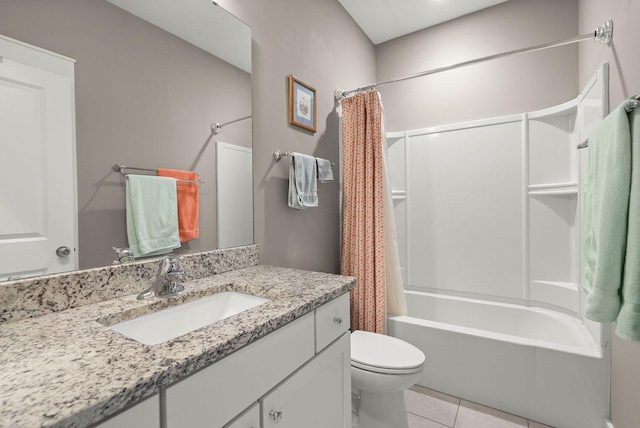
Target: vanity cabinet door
(249,419)
(143,415)
(316,396)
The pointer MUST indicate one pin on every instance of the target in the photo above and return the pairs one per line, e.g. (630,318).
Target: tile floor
(432,409)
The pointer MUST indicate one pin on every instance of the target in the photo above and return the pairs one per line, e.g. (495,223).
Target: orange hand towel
(187,202)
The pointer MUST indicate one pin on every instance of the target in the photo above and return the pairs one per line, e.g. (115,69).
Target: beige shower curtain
(363,208)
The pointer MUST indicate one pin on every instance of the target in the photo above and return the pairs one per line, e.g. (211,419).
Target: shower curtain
(363,214)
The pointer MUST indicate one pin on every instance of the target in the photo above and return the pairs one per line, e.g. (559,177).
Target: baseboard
(608,424)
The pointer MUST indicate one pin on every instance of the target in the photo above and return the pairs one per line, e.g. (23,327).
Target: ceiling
(201,23)
(383,20)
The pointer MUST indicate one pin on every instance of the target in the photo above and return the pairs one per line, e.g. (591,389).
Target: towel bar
(118,167)
(278,154)
(629,107)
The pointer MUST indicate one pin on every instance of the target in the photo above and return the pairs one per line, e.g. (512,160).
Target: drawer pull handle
(276,415)
(337,320)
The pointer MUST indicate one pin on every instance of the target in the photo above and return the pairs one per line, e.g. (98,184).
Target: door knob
(276,415)
(63,251)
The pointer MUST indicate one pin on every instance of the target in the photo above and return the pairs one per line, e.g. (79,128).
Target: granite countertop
(67,369)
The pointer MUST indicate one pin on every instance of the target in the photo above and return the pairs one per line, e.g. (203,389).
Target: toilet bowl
(382,367)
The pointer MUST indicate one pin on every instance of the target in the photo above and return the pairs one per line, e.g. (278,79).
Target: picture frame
(302,104)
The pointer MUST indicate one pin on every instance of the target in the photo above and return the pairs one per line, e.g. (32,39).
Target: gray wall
(143,98)
(624,80)
(318,42)
(509,85)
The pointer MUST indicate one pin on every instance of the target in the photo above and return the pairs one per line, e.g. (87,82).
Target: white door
(235,195)
(38,212)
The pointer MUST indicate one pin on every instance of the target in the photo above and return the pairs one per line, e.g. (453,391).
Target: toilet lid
(380,353)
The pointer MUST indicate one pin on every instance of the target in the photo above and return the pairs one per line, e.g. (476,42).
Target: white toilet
(382,367)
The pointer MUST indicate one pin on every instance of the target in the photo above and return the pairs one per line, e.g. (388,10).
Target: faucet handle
(173,274)
(172,286)
(167,264)
(165,283)
(176,275)
(174,264)
(123,255)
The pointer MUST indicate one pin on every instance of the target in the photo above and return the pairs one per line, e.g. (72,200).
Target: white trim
(398,134)
(525,206)
(398,194)
(565,109)
(407,216)
(608,424)
(465,125)
(552,185)
(9,40)
(553,192)
(74,162)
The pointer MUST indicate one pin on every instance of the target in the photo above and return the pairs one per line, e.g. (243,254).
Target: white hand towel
(325,173)
(303,188)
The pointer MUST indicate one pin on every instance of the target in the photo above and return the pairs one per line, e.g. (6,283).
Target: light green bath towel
(152,214)
(605,211)
(628,322)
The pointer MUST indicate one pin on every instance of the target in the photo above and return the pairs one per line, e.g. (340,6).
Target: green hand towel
(605,209)
(628,322)
(152,215)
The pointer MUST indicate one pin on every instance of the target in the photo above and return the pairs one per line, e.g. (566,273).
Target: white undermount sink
(167,324)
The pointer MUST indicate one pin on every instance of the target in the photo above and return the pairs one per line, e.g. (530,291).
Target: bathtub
(536,363)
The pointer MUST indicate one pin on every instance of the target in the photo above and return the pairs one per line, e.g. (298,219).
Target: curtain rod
(217,127)
(603,34)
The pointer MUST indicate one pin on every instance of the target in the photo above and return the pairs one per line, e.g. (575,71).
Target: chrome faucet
(166,283)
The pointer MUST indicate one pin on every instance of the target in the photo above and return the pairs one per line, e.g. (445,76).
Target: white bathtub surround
(491,208)
(396,301)
(489,216)
(536,363)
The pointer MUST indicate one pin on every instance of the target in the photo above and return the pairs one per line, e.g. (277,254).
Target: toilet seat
(384,354)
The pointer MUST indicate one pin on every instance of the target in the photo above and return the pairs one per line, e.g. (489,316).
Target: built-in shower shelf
(398,195)
(569,188)
(570,108)
(558,192)
(568,285)
(562,294)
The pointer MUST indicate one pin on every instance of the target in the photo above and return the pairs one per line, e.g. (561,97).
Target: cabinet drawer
(216,394)
(332,319)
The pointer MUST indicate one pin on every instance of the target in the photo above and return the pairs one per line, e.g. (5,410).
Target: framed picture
(302,104)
